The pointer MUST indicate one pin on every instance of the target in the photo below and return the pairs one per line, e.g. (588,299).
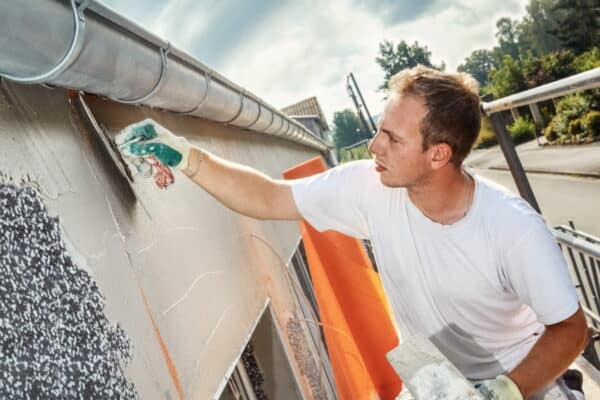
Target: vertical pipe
(514,163)
(363,102)
(361,117)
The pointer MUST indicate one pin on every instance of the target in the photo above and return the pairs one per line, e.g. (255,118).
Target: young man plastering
(463,262)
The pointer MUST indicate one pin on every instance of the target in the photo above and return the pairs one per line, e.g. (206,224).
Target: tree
(535,30)
(347,129)
(394,59)
(547,68)
(507,35)
(479,64)
(507,79)
(578,25)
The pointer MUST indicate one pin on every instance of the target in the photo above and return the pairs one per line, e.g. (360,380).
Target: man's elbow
(579,329)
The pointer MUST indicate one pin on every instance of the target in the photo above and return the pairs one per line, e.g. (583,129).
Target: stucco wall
(184,276)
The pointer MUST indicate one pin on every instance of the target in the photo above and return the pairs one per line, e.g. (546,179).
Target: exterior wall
(185,277)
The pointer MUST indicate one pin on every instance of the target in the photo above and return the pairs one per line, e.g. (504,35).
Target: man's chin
(385,181)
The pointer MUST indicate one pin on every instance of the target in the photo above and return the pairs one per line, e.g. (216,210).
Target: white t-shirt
(481,289)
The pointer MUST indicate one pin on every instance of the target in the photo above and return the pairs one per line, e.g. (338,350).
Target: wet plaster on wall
(56,341)
(197,267)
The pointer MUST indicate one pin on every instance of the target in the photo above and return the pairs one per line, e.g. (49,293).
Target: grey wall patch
(308,366)
(55,341)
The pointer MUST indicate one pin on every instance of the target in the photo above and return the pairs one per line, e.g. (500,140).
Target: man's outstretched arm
(242,189)
(238,187)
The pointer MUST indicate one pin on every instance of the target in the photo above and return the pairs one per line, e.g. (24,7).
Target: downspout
(84,45)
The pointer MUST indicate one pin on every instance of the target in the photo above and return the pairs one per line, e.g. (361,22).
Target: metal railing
(582,252)
(576,83)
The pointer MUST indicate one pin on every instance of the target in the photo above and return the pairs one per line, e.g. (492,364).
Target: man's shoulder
(507,216)
(500,202)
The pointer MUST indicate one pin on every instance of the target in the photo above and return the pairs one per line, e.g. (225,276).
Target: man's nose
(374,144)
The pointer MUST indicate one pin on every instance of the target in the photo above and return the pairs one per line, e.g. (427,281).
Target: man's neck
(442,197)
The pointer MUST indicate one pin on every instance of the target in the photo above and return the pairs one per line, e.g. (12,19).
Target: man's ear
(441,154)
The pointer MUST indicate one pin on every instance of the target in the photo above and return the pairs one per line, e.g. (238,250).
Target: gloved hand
(149,138)
(501,388)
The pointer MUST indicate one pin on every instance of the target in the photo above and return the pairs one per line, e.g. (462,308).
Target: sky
(287,50)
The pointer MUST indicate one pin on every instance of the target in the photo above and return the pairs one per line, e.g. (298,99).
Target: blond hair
(452,101)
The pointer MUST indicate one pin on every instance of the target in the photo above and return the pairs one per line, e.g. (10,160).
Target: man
(463,262)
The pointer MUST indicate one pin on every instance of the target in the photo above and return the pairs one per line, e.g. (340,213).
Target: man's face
(398,145)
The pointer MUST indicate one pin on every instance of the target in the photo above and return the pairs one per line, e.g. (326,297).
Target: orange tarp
(354,310)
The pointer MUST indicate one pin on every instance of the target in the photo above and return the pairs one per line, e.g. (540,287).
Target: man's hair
(452,101)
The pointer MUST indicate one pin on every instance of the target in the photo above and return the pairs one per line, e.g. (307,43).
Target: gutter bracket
(257,117)
(242,101)
(164,52)
(208,75)
(71,54)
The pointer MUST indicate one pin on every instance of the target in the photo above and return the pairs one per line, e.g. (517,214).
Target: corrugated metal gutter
(84,45)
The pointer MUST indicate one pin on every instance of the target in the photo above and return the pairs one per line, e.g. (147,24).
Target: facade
(111,287)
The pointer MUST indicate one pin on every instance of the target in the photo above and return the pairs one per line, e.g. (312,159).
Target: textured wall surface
(182,277)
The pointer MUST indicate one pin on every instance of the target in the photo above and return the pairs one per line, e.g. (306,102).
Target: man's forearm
(559,345)
(241,188)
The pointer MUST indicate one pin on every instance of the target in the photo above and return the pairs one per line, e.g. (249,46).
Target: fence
(582,251)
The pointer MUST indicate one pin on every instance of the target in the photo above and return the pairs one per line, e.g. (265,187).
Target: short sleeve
(538,274)
(334,199)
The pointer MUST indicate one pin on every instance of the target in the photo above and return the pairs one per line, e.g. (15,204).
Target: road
(561,198)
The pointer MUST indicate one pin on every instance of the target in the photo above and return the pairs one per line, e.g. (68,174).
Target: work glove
(148,138)
(501,388)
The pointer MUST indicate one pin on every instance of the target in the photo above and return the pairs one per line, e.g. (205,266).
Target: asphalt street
(561,198)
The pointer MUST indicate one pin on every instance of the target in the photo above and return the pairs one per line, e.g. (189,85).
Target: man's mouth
(379,167)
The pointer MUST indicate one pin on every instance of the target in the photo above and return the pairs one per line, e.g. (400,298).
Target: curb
(595,175)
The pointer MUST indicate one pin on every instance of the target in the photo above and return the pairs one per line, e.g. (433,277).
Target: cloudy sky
(288,50)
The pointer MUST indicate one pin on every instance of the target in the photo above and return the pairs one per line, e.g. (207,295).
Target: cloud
(288,50)
(397,11)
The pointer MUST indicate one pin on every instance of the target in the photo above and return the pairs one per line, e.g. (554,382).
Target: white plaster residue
(440,381)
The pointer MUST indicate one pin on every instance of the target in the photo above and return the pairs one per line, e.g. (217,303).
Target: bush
(591,124)
(588,60)
(487,136)
(522,130)
(575,127)
(568,109)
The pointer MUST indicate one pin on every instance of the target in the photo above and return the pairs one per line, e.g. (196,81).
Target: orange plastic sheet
(354,310)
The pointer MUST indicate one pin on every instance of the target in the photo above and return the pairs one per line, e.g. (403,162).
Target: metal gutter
(85,45)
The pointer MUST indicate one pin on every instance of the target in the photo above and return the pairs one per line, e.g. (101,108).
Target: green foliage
(547,68)
(587,60)
(394,59)
(487,136)
(535,30)
(479,64)
(522,130)
(507,36)
(578,24)
(347,129)
(356,153)
(566,126)
(507,79)
(591,124)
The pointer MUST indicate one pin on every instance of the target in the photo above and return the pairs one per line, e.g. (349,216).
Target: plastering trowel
(428,374)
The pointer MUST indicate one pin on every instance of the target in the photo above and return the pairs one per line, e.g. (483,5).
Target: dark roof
(307,108)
